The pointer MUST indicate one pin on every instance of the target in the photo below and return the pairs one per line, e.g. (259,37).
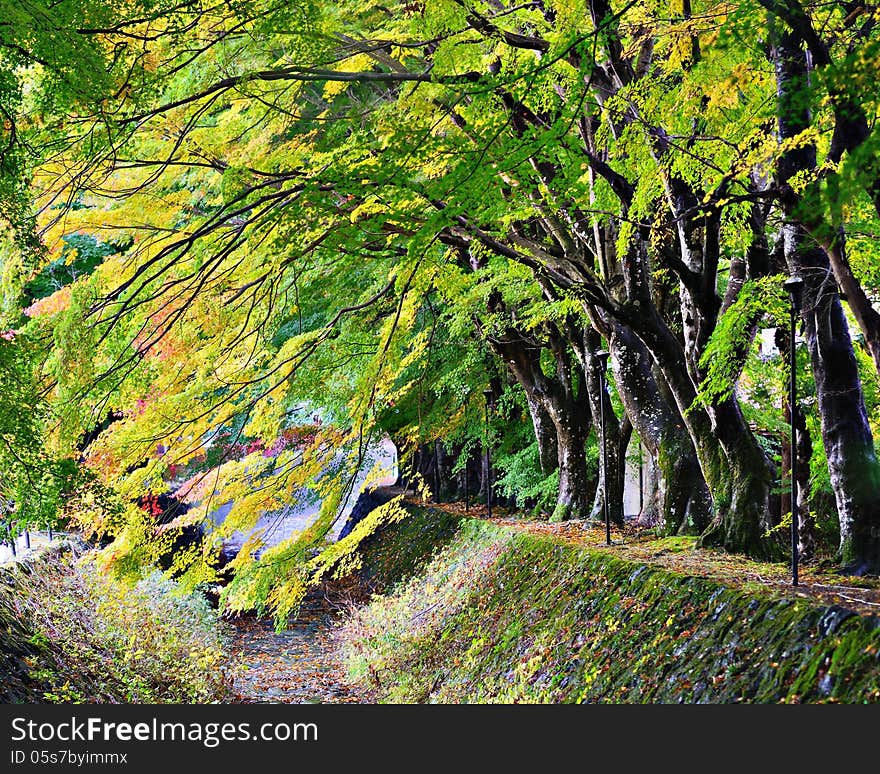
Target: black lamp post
(602,359)
(467,504)
(795,287)
(488,395)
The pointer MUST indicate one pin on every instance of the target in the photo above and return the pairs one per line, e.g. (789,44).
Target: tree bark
(609,487)
(804,451)
(683,500)
(846,433)
(545,432)
(572,498)
(561,400)
(735,469)
(651,511)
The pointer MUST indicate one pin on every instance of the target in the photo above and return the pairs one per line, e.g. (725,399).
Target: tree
(361,202)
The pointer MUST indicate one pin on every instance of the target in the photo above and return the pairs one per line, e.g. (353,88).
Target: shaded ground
(302,665)
(297,666)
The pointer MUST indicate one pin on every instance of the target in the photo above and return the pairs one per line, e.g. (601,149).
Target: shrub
(93,638)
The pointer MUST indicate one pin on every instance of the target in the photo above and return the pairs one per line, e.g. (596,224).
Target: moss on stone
(505,616)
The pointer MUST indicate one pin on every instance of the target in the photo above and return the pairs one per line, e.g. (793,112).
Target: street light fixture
(487,393)
(467,454)
(602,359)
(795,287)
(467,503)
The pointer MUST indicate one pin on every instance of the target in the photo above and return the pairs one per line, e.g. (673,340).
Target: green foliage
(503,617)
(724,356)
(34,481)
(520,477)
(94,639)
(80,256)
(265,206)
(279,580)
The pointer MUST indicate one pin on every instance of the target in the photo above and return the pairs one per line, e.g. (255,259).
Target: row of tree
(386,209)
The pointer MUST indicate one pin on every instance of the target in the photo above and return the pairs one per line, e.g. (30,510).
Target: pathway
(297,666)
(820,582)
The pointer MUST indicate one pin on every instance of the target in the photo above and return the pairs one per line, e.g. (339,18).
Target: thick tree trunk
(545,433)
(683,499)
(806,527)
(651,510)
(485,465)
(734,467)
(846,434)
(572,499)
(558,399)
(623,439)
(744,477)
(863,310)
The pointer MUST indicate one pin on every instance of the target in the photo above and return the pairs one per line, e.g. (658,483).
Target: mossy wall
(501,615)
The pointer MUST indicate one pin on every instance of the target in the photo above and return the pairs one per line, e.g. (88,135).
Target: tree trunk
(683,499)
(863,310)
(651,510)
(624,437)
(734,467)
(545,433)
(846,434)
(572,499)
(559,400)
(806,527)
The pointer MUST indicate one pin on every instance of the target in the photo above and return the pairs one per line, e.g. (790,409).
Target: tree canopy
(223,218)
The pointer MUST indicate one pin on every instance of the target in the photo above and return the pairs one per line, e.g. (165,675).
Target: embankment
(503,615)
(70,633)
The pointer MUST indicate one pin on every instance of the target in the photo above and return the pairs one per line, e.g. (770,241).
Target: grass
(509,611)
(74,634)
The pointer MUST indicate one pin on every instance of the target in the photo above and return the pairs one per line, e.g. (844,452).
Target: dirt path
(296,666)
(300,665)
(820,581)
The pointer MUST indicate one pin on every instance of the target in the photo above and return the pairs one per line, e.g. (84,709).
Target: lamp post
(602,358)
(467,504)
(795,287)
(487,393)
(641,480)
(467,501)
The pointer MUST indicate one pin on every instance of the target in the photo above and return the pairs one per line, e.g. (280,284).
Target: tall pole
(795,286)
(641,480)
(488,395)
(467,459)
(602,358)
